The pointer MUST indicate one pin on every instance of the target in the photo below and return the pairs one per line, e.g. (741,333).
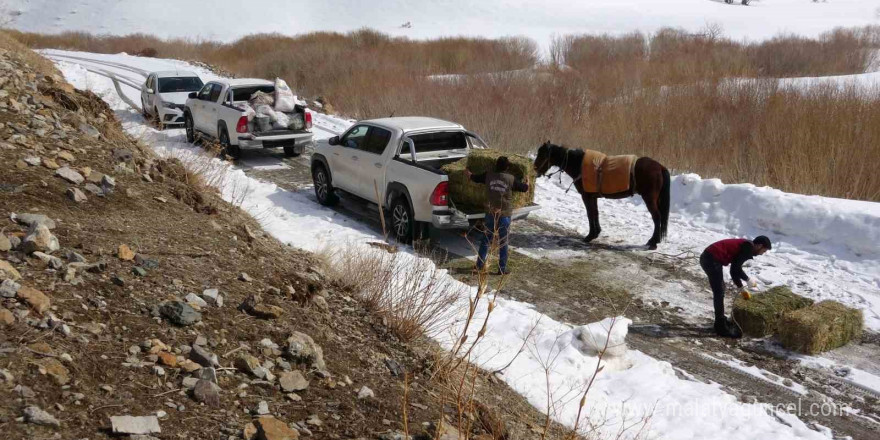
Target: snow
(230,19)
(754,371)
(631,387)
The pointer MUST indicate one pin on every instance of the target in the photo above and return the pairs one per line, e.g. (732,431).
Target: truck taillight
(308,119)
(242,126)
(440,196)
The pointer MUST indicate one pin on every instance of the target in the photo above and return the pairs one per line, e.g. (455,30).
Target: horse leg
(651,201)
(592,205)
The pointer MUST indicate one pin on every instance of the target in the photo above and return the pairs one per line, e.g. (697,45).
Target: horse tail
(664,203)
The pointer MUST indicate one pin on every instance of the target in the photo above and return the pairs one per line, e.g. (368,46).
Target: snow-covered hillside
(229,19)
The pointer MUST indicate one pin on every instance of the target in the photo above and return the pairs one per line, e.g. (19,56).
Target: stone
(95,177)
(293,397)
(7,272)
(39,238)
(139,271)
(209,374)
(301,348)
(135,425)
(34,298)
(200,340)
(262,408)
(70,175)
(55,369)
(245,277)
(89,131)
(53,262)
(213,297)
(270,428)
(194,299)
(314,420)
(122,155)
(125,253)
(167,359)
(393,367)
(20,164)
(32,220)
(250,365)
(51,164)
(118,280)
(94,189)
(74,257)
(249,432)
(146,263)
(64,155)
(6,317)
(321,304)
(180,313)
(207,392)
(37,416)
(266,311)
(76,195)
(24,391)
(203,356)
(189,366)
(292,381)
(5,244)
(190,382)
(108,182)
(158,371)
(33,161)
(366,393)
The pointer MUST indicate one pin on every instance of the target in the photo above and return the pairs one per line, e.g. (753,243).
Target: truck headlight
(169,104)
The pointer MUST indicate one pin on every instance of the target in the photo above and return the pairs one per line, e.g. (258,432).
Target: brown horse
(649,179)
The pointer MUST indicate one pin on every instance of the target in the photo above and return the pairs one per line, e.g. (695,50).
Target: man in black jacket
(499,193)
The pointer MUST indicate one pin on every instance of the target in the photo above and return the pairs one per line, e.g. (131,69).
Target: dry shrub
(411,294)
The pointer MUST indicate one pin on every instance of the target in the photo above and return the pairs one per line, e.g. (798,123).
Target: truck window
(205,93)
(177,84)
(215,92)
(440,141)
(376,141)
(245,93)
(355,138)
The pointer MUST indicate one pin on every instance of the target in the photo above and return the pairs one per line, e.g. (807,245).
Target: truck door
(212,109)
(198,106)
(345,160)
(371,163)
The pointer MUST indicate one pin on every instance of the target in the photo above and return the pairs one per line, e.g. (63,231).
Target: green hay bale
(820,327)
(760,315)
(471,197)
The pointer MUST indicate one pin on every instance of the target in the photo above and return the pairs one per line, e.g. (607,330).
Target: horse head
(544,160)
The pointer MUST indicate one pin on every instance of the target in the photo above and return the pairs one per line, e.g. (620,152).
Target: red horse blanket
(607,174)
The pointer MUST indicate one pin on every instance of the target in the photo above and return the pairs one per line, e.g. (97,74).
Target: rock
(6,376)
(393,367)
(64,155)
(314,420)
(94,189)
(108,182)
(209,374)
(262,408)
(180,313)
(189,366)
(122,155)
(70,175)
(270,428)
(194,299)
(51,164)
(293,397)
(301,348)
(266,311)
(146,263)
(5,244)
(366,393)
(33,220)
(203,356)
(213,297)
(39,238)
(37,416)
(7,272)
(245,277)
(292,381)
(33,161)
(53,262)
(95,177)
(139,271)
(250,365)
(321,303)
(20,164)
(76,195)
(207,392)
(135,425)
(24,391)
(125,253)
(249,432)
(158,371)
(250,302)
(55,369)
(89,131)
(74,257)
(190,382)
(118,280)
(200,340)
(6,317)
(34,298)
(167,359)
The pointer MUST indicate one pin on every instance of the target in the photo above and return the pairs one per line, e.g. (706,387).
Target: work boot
(727,329)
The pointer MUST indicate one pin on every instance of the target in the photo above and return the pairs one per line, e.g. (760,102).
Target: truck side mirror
(333,141)
(193,95)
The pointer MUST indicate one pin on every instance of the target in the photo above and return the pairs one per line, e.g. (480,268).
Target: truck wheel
(402,222)
(158,120)
(233,151)
(190,129)
(144,110)
(290,151)
(323,186)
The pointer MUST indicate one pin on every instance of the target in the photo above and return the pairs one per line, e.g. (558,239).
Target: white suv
(164,95)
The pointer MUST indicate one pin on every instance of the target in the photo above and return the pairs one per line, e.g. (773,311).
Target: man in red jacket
(733,252)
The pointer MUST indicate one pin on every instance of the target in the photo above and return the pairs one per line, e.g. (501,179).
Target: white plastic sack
(249,111)
(261,98)
(282,120)
(591,338)
(267,111)
(285,101)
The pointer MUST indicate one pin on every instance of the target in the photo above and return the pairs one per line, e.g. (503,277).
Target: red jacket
(725,251)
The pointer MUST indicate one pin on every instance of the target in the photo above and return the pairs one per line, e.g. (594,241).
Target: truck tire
(402,223)
(290,151)
(233,151)
(158,120)
(190,128)
(144,110)
(323,186)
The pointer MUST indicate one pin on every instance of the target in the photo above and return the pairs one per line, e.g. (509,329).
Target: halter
(561,169)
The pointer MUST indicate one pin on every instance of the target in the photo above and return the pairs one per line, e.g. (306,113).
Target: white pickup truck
(218,111)
(396,163)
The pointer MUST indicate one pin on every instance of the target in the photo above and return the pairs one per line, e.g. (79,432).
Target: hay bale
(759,316)
(820,327)
(471,197)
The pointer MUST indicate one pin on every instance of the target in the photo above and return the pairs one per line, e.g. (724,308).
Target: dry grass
(662,95)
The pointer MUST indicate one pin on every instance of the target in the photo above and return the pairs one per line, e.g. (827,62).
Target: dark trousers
(502,227)
(715,271)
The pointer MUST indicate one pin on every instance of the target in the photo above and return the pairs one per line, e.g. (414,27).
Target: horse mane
(558,153)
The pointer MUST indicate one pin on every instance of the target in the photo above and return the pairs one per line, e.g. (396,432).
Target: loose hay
(471,197)
(759,316)
(820,327)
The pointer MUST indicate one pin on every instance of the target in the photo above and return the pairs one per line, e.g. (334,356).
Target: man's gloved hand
(745,293)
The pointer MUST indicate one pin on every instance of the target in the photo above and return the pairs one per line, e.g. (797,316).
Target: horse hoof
(589,238)
(652,246)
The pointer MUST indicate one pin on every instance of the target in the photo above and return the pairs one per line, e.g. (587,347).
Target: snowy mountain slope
(230,19)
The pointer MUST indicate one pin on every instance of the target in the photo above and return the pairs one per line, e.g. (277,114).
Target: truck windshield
(180,84)
(440,141)
(244,93)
